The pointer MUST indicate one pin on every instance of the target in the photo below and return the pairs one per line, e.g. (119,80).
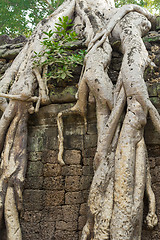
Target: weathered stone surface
(33,200)
(50,156)
(72,157)
(34,182)
(63,95)
(47,230)
(62,225)
(81,222)
(83,209)
(63,235)
(54,213)
(74,198)
(53,198)
(5,39)
(35,169)
(72,170)
(31,216)
(70,212)
(54,183)
(51,170)
(72,183)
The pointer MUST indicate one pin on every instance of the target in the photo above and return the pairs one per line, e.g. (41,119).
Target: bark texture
(121,166)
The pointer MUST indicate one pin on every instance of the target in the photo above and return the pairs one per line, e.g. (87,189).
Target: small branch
(19,97)
(43,90)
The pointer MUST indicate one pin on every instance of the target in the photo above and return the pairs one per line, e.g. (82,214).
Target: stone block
(50,170)
(53,213)
(33,200)
(50,139)
(66,235)
(74,198)
(34,156)
(50,156)
(30,230)
(73,142)
(81,222)
(85,182)
(88,161)
(72,183)
(70,212)
(72,170)
(88,170)
(74,129)
(83,209)
(47,230)
(34,182)
(53,183)
(157,161)
(35,169)
(31,216)
(35,144)
(53,198)
(89,152)
(152,162)
(70,226)
(85,194)
(90,141)
(72,157)
(92,128)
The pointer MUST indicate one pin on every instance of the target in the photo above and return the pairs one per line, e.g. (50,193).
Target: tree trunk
(120,174)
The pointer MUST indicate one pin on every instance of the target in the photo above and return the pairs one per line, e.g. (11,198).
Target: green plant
(58,52)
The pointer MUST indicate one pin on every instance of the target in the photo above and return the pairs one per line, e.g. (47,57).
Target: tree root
(151,219)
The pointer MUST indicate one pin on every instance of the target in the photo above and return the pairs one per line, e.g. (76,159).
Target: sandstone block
(85,182)
(73,141)
(88,170)
(54,198)
(72,170)
(50,156)
(66,235)
(31,216)
(72,157)
(72,183)
(50,170)
(53,213)
(81,222)
(34,182)
(53,183)
(62,225)
(47,230)
(83,209)
(33,200)
(70,212)
(90,141)
(74,198)
(35,169)
(34,156)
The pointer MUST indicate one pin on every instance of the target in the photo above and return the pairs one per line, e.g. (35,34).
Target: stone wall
(55,197)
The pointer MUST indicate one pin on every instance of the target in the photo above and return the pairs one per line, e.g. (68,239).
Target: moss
(151,39)
(155,101)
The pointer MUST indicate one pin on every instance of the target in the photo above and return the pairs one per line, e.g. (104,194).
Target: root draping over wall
(121,164)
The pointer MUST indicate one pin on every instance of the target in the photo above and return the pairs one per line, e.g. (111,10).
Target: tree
(121,166)
(20,17)
(152,5)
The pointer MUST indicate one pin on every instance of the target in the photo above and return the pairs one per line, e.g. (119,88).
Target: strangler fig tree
(121,164)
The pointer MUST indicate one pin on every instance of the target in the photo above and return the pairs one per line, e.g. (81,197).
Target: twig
(19,97)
